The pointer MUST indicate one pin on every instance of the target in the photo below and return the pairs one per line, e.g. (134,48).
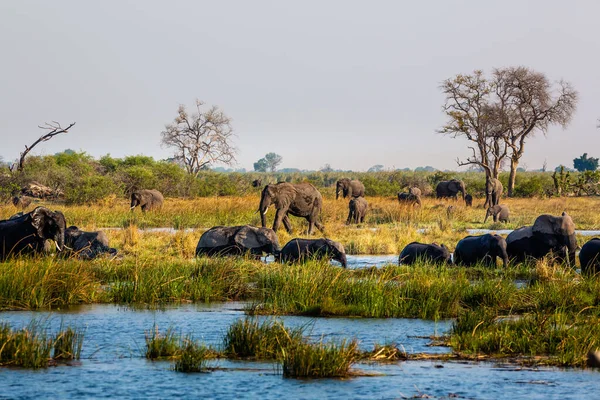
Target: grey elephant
(450,188)
(499,212)
(349,188)
(300,250)
(357,210)
(493,192)
(409,198)
(28,233)
(468,200)
(415,191)
(257,183)
(86,245)
(548,234)
(21,202)
(147,199)
(484,249)
(300,200)
(428,253)
(589,257)
(237,240)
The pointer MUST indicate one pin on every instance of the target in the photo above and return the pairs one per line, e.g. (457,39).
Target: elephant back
(550,225)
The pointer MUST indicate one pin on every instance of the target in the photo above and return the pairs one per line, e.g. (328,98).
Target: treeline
(83,179)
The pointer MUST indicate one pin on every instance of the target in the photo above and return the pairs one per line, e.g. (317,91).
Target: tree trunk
(514,163)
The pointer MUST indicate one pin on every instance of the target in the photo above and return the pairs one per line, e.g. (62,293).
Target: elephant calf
(429,253)
(87,245)
(468,200)
(499,212)
(409,198)
(481,249)
(300,250)
(237,240)
(589,257)
(357,210)
(147,199)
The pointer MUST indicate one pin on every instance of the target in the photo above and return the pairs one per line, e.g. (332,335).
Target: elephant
(589,257)
(409,198)
(86,245)
(415,191)
(468,200)
(21,202)
(349,188)
(548,234)
(429,253)
(493,192)
(147,199)
(300,250)
(28,233)
(237,240)
(300,200)
(450,188)
(257,183)
(481,249)
(499,212)
(357,210)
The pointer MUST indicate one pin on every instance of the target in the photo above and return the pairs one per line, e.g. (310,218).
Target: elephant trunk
(342,259)
(265,202)
(487,214)
(337,193)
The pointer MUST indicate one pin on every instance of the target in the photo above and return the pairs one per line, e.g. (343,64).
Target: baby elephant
(499,212)
(481,249)
(409,198)
(21,202)
(429,253)
(358,210)
(87,245)
(300,250)
(468,200)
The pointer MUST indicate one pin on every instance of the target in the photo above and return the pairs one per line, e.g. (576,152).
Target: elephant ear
(285,195)
(336,245)
(567,225)
(39,218)
(249,237)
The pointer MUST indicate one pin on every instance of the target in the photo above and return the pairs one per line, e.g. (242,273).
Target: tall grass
(319,360)
(161,345)
(193,356)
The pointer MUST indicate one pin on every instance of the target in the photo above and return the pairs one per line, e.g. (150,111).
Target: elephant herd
(31,232)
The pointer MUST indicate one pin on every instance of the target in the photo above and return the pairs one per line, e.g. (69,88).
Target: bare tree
(54,129)
(528,104)
(472,115)
(201,138)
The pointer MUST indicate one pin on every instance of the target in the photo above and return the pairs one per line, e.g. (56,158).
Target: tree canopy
(584,163)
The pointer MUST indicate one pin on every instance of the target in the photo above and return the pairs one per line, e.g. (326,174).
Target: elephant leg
(279,216)
(287,223)
(319,225)
(350,218)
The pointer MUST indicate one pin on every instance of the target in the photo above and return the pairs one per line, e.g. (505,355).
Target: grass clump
(31,347)
(249,338)
(319,360)
(193,356)
(161,345)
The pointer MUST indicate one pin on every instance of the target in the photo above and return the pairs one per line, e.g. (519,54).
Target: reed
(319,360)
(161,345)
(192,357)
(68,344)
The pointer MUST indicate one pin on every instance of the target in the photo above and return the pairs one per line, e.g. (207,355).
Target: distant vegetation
(85,180)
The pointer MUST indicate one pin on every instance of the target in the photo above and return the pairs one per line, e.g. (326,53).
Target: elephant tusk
(57,247)
(265,212)
(132,207)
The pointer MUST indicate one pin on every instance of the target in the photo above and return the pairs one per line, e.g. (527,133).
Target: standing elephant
(28,233)
(87,245)
(499,212)
(21,202)
(147,199)
(428,253)
(468,200)
(415,191)
(237,240)
(357,210)
(450,188)
(589,257)
(493,192)
(300,250)
(549,234)
(409,198)
(349,188)
(300,200)
(481,249)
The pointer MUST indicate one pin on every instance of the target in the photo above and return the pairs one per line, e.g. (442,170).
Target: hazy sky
(349,83)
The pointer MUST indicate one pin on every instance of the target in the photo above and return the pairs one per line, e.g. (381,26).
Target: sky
(346,83)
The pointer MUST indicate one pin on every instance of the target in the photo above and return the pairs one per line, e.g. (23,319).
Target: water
(113,366)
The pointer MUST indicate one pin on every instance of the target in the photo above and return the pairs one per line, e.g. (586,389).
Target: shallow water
(113,366)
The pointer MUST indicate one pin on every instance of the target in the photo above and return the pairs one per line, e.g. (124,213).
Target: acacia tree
(472,115)
(528,104)
(201,138)
(269,162)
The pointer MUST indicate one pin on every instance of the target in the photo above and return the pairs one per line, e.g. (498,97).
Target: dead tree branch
(54,129)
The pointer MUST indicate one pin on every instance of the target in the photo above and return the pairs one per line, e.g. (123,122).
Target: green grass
(193,356)
(319,360)
(250,338)
(161,345)
(31,347)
